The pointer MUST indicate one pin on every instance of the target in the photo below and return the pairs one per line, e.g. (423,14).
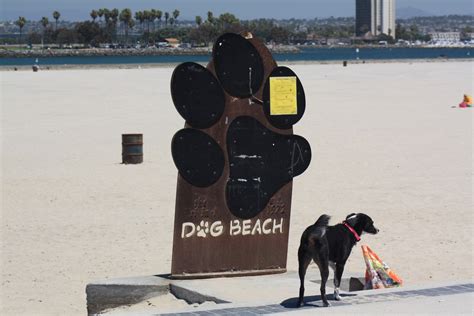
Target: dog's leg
(303,260)
(337,280)
(324,269)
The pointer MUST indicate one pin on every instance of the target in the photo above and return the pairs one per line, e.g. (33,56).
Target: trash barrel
(344,63)
(132,148)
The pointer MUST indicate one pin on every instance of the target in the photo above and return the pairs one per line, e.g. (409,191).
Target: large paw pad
(260,163)
(197,95)
(199,158)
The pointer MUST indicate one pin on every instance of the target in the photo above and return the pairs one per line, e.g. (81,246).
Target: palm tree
(171,21)
(114,13)
(93,15)
(210,17)
(131,23)
(198,20)
(175,15)
(44,21)
(159,15)
(153,18)
(56,16)
(140,18)
(147,18)
(167,16)
(126,18)
(114,16)
(100,13)
(20,23)
(106,16)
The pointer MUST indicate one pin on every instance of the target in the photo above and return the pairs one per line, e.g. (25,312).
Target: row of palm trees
(149,16)
(112,16)
(21,22)
(125,16)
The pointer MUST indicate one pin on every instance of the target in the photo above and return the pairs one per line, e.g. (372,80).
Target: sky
(74,10)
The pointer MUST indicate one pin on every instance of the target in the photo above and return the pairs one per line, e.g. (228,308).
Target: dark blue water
(306,54)
(323,54)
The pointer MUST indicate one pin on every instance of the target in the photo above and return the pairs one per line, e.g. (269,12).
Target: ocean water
(306,54)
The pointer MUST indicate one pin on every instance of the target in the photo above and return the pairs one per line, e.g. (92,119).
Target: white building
(375,17)
(446,36)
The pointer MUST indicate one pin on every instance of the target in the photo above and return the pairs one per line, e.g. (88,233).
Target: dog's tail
(323,220)
(320,226)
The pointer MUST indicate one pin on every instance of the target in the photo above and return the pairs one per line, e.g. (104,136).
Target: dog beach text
(235,227)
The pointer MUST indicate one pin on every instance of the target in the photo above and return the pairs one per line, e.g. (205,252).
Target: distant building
(446,36)
(173,42)
(375,17)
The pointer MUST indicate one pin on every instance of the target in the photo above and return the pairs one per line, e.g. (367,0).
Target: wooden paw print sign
(236,158)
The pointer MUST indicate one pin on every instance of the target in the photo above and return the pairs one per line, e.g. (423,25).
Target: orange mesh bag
(378,274)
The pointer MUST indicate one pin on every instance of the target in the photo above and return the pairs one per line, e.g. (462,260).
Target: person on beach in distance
(467,102)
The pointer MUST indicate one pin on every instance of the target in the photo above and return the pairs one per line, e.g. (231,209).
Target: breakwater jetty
(94,52)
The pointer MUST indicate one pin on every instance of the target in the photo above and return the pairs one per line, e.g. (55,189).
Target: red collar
(357,237)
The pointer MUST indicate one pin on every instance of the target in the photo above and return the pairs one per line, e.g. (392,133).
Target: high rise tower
(376,17)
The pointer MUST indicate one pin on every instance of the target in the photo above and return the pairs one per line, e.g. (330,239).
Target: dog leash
(357,237)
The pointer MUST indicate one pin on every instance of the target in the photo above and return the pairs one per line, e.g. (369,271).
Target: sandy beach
(385,141)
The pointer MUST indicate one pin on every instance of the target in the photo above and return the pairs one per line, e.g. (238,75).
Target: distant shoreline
(169,65)
(196,51)
(105,52)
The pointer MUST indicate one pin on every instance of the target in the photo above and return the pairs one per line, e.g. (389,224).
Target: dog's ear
(351,219)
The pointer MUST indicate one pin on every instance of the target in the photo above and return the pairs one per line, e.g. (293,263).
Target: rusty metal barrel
(132,148)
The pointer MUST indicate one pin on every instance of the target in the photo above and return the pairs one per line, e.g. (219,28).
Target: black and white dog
(330,245)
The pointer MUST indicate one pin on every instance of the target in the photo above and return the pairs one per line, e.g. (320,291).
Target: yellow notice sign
(283,96)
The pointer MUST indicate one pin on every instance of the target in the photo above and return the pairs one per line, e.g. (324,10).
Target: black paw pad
(197,95)
(283,78)
(260,163)
(197,156)
(238,65)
